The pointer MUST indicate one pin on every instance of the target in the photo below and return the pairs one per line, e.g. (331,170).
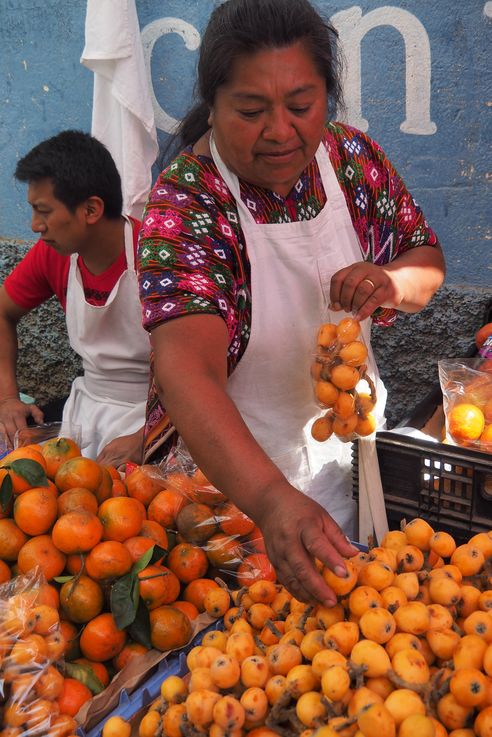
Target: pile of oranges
(339,375)
(406,652)
(85,528)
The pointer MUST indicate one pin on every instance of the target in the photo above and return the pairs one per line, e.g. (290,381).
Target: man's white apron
(291,268)
(109,399)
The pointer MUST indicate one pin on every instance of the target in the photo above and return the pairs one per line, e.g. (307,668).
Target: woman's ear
(94,209)
(210,118)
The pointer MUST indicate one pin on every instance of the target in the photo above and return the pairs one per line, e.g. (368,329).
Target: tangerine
(141,484)
(121,518)
(254,568)
(101,639)
(73,695)
(138,545)
(77,532)
(11,539)
(35,511)
(170,628)
(196,522)
(79,471)
(56,451)
(131,651)
(187,562)
(196,591)
(158,586)
(76,499)
(165,507)
(233,521)
(41,551)
(108,559)
(155,531)
(81,599)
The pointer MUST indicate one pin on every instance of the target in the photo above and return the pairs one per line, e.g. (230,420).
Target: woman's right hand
(297,530)
(14,414)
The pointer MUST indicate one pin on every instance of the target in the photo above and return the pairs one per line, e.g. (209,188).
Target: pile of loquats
(341,383)
(406,652)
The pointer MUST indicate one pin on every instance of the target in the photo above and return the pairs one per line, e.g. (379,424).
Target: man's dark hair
(244,27)
(79,166)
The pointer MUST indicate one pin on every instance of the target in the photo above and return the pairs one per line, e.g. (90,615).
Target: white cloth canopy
(122,113)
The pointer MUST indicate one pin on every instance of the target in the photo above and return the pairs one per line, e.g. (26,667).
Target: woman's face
(268,118)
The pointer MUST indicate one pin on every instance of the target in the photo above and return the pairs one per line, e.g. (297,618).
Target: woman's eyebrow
(262,98)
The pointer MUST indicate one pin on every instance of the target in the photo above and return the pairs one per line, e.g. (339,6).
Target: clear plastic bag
(467,402)
(39,434)
(32,664)
(341,383)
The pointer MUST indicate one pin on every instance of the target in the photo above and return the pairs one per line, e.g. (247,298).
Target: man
(86,257)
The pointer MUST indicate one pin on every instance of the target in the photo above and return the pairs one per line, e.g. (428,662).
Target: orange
(152,529)
(99,669)
(74,694)
(253,568)
(21,478)
(105,489)
(69,633)
(108,559)
(56,451)
(196,591)
(170,628)
(81,599)
(137,546)
(158,585)
(187,608)
(232,521)
(223,551)
(196,522)
(465,422)
(131,651)
(11,539)
(121,518)
(256,541)
(180,482)
(41,551)
(48,594)
(76,499)
(101,639)
(165,507)
(79,471)
(35,511)
(77,532)
(144,484)
(74,563)
(187,561)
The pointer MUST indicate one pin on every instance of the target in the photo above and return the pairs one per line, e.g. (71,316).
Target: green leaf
(6,492)
(30,470)
(85,675)
(122,602)
(139,629)
(63,579)
(143,561)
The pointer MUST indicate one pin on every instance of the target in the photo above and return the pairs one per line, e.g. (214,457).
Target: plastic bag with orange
(37,693)
(467,401)
(341,382)
(204,518)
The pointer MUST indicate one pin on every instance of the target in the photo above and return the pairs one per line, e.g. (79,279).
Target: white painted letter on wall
(150,34)
(352,27)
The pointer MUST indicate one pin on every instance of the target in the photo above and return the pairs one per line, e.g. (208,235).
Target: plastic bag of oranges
(35,690)
(204,518)
(467,402)
(341,383)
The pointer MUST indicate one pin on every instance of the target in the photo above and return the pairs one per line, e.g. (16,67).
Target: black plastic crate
(449,486)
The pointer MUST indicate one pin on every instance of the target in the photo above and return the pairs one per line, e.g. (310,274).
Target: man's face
(63,230)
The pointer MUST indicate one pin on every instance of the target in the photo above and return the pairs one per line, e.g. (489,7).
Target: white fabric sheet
(122,113)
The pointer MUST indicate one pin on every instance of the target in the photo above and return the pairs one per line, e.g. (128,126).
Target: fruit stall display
(128,566)
(406,652)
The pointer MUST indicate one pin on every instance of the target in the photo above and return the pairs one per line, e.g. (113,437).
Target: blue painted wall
(44,89)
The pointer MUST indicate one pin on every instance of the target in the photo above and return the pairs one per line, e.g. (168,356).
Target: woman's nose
(278,127)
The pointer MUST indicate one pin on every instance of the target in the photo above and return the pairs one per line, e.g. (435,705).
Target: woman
(267,216)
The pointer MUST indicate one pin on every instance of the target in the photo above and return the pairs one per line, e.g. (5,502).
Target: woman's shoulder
(344,141)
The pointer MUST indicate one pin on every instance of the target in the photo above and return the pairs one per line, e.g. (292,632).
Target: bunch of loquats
(406,652)
(341,383)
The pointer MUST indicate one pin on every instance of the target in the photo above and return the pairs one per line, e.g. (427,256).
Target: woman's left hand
(363,287)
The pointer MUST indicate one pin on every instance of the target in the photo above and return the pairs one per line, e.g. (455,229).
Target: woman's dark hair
(79,166)
(243,27)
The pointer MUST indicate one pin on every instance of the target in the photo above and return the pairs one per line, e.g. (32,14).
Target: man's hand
(297,530)
(14,414)
(122,449)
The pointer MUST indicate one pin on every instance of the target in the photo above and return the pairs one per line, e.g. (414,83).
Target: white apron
(291,268)
(109,399)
